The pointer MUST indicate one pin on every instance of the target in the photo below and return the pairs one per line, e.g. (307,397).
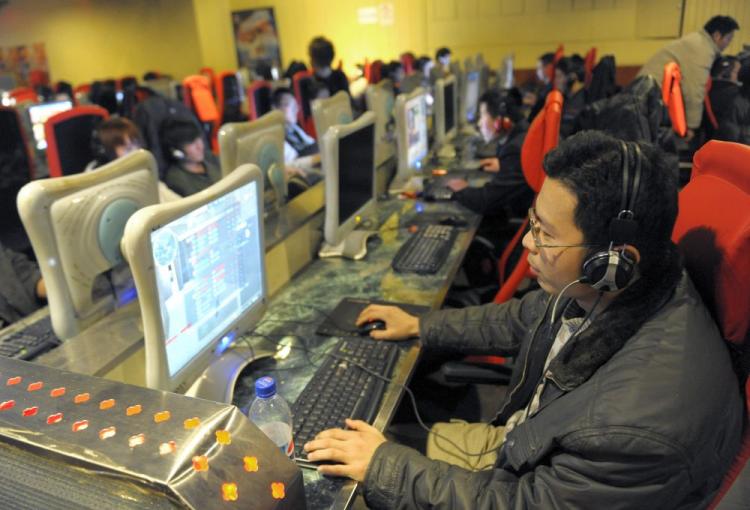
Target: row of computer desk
(304,290)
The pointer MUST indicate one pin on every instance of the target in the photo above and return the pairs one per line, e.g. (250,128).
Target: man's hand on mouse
(490,165)
(399,325)
(456,184)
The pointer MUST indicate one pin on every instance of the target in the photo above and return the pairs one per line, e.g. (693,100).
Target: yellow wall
(90,39)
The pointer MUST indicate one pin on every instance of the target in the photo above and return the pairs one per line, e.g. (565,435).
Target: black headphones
(610,270)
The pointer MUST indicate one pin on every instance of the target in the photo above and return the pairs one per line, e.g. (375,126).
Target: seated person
(535,94)
(569,80)
(296,142)
(621,398)
(730,107)
(191,168)
(321,53)
(502,124)
(442,67)
(23,289)
(115,137)
(394,71)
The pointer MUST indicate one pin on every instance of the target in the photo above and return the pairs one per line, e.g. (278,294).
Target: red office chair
(68,136)
(671,94)
(550,68)
(209,73)
(376,71)
(197,96)
(229,97)
(714,241)
(259,98)
(542,136)
(24,94)
(301,82)
(589,62)
(407,61)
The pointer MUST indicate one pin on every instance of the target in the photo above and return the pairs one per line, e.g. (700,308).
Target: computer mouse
(365,328)
(453,221)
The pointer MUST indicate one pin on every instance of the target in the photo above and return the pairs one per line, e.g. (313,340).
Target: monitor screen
(416,130)
(471,99)
(356,154)
(449,106)
(208,266)
(39,114)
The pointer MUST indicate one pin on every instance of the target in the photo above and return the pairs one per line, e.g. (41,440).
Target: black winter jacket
(650,421)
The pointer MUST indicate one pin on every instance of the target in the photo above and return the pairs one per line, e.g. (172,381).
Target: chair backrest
(376,71)
(550,68)
(671,94)
(407,61)
(24,94)
(714,240)
(68,136)
(542,136)
(197,95)
(589,62)
(259,99)
(302,82)
(711,116)
(228,96)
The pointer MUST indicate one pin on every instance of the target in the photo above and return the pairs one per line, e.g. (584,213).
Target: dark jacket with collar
(18,289)
(508,190)
(732,111)
(648,421)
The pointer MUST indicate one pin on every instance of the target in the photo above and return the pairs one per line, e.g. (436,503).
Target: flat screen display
(356,160)
(208,272)
(39,114)
(472,96)
(416,130)
(450,105)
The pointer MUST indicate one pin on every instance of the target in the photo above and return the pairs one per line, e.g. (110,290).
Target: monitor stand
(354,246)
(218,380)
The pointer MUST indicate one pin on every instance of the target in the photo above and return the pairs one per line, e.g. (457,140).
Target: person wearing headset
(623,393)
(112,139)
(501,123)
(192,168)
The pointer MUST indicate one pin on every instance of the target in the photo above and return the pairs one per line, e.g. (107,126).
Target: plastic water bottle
(271,414)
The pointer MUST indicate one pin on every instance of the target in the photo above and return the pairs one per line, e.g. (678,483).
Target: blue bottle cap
(265,387)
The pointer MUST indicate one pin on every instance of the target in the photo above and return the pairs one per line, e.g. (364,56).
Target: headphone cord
(560,295)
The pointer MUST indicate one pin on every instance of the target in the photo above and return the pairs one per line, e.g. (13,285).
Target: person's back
(321,54)
(730,108)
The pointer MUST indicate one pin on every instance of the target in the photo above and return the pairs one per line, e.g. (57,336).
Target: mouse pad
(341,320)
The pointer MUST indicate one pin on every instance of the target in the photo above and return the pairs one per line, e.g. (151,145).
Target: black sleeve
(25,271)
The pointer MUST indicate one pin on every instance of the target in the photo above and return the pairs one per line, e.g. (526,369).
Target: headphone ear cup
(608,270)
(507,123)
(178,154)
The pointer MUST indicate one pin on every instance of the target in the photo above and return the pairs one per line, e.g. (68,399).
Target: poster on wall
(24,65)
(257,40)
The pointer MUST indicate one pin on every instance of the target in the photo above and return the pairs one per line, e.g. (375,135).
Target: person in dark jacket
(321,53)
(569,80)
(192,168)
(23,289)
(730,108)
(501,122)
(619,399)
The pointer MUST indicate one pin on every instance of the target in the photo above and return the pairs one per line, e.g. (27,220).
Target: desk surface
(298,308)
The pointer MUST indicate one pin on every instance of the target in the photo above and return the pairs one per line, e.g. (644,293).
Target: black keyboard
(340,389)
(30,342)
(426,251)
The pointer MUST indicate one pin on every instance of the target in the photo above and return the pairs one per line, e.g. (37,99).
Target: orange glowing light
(162,416)
(57,392)
(223,437)
(80,425)
(277,490)
(54,418)
(200,463)
(35,386)
(251,464)
(191,423)
(81,398)
(167,448)
(229,491)
(136,440)
(107,432)
(107,404)
(133,410)
(29,411)
(14,380)
(8,404)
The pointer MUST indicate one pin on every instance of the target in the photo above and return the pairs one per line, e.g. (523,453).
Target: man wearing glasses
(623,394)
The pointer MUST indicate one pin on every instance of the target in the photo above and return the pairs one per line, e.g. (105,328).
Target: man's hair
(721,24)
(493,102)
(572,65)
(278,94)
(722,67)
(321,52)
(112,132)
(589,164)
(421,62)
(547,58)
(176,133)
(441,52)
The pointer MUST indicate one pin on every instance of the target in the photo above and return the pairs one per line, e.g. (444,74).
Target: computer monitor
(38,115)
(331,111)
(75,224)
(411,132)
(380,101)
(505,78)
(199,267)
(348,155)
(471,97)
(445,110)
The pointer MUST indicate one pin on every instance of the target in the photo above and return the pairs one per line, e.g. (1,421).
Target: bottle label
(288,450)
